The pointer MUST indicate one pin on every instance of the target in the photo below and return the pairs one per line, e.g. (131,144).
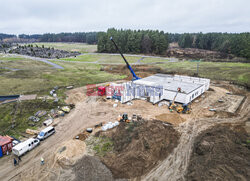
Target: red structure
(101,91)
(5,144)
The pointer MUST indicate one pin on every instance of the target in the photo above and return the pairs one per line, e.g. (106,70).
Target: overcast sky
(44,16)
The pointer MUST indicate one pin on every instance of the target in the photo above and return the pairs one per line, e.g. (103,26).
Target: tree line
(81,37)
(232,43)
(5,36)
(148,41)
(133,41)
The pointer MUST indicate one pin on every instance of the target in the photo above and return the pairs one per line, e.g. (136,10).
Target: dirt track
(88,112)
(178,161)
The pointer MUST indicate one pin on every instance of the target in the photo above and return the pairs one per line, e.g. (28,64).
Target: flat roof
(168,82)
(4,140)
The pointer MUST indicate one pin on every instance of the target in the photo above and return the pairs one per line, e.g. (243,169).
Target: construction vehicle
(172,106)
(124,118)
(128,66)
(185,108)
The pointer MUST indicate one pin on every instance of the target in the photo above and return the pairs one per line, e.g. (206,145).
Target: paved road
(141,57)
(47,61)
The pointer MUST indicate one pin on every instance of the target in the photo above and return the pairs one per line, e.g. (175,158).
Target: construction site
(149,126)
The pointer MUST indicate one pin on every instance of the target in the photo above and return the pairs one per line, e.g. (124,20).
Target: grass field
(237,72)
(14,116)
(34,76)
(39,78)
(80,47)
(103,58)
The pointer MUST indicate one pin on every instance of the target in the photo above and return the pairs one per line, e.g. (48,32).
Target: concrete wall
(130,91)
(196,93)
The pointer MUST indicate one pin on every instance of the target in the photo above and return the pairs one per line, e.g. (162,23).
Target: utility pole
(198,68)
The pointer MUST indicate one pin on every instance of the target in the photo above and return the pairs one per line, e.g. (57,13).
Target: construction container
(5,144)
(101,91)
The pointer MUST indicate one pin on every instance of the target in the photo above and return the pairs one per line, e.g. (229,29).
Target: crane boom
(129,67)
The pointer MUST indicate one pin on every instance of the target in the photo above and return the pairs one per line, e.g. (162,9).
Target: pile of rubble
(4,46)
(207,55)
(42,52)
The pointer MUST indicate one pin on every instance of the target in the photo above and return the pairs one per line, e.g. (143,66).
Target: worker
(15,162)
(19,158)
(42,161)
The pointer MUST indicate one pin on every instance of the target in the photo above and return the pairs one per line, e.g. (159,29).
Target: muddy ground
(220,153)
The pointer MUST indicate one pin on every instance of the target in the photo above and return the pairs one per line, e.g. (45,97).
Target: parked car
(48,122)
(25,146)
(46,133)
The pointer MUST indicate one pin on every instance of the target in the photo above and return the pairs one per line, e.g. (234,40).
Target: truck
(25,146)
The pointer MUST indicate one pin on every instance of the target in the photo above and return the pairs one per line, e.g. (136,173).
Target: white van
(46,133)
(25,146)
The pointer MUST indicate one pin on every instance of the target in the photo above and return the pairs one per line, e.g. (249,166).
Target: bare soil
(174,167)
(207,55)
(212,159)
(173,118)
(154,150)
(138,147)
(90,168)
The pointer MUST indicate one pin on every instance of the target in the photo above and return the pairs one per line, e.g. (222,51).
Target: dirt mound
(42,52)
(138,147)
(220,153)
(172,118)
(75,95)
(90,168)
(207,55)
(69,152)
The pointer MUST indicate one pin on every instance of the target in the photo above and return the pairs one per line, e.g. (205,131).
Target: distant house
(5,145)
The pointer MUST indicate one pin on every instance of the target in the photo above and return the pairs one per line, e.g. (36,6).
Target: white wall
(132,91)
(196,93)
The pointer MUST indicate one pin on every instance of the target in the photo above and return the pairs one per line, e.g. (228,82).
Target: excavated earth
(139,146)
(220,153)
(203,145)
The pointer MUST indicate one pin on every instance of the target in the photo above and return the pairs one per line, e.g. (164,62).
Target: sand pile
(69,152)
(173,118)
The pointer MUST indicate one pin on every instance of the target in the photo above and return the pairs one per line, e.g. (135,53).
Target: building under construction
(160,87)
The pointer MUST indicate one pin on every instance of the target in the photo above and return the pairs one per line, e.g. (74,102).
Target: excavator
(180,109)
(185,108)
(172,106)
